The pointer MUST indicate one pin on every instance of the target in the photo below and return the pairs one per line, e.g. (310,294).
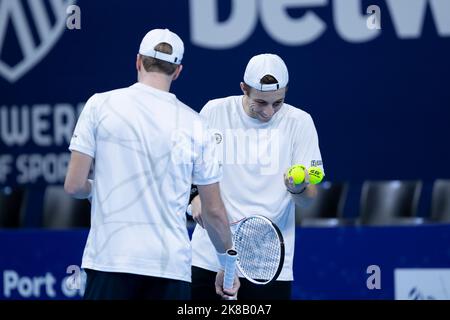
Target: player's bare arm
(215,218)
(215,221)
(76,183)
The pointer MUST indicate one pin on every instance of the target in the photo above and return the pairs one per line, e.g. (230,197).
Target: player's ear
(138,62)
(177,72)
(243,88)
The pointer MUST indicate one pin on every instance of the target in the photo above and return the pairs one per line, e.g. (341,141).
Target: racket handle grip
(230,269)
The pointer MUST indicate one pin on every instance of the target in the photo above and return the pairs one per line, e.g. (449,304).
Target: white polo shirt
(148,149)
(255,155)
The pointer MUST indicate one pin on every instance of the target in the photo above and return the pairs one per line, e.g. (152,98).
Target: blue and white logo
(422,284)
(13,19)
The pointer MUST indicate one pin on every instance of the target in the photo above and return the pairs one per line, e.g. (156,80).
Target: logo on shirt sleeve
(316,163)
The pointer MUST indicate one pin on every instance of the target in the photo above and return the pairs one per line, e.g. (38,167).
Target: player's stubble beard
(248,108)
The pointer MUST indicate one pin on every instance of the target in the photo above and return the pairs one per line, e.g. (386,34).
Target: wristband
(297,192)
(194,192)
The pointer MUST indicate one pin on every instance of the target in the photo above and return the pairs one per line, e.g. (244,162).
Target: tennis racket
(260,251)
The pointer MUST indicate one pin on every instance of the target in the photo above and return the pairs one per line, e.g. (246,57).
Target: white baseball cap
(157,36)
(266,64)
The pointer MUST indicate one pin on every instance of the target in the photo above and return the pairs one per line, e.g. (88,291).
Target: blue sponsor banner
(360,262)
(330,263)
(42,264)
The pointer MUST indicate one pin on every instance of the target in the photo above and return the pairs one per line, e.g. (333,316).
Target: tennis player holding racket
(259,137)
(147,154)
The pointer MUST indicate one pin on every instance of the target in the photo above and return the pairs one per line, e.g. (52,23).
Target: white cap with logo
(266,64)
(157,36)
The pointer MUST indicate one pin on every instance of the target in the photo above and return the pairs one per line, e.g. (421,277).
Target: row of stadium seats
(59,210)
(381,203)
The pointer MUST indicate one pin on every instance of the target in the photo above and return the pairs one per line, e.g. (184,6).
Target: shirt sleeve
(207,169)
(205,112)
(306,146)
(83,139)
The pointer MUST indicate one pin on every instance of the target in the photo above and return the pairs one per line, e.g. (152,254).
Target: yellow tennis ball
(297,172)
(315,175)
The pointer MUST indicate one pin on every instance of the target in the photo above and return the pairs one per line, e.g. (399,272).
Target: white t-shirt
(254,157)
(148,149)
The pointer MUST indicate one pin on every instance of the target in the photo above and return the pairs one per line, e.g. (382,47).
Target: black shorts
(203,288)
(125,286)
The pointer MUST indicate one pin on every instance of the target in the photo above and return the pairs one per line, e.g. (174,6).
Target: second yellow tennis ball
(315,175)
(297,172)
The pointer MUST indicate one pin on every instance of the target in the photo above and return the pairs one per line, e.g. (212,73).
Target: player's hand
(196,206)
(289,183)
(227,294)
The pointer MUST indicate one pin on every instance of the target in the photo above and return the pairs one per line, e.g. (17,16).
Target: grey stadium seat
(440,203)
(390,202)
(60,211)
(327,208)
(10,207)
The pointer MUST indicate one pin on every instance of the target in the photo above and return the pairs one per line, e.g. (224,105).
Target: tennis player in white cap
(148,149)
(259,137)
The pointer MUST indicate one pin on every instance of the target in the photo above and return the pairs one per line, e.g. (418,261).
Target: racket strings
(259,249)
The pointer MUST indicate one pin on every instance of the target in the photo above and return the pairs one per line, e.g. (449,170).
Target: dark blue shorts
(125,286)
(203,288)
